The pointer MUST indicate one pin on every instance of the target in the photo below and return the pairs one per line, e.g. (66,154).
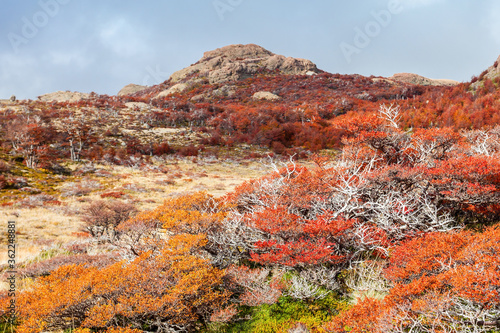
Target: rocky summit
(236,62)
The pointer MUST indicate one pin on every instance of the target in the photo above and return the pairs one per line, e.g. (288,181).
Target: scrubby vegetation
(394,228)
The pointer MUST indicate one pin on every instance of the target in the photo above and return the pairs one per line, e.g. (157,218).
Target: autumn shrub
(171,289)
(162,149)
(3,182)
(387,186)
(46,267)
(438,286)
(188,151)
(394,234)
(113,194)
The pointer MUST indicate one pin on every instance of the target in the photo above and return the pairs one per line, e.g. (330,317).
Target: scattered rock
(384,80)
(63,96)
(179,87)
(198,98)
(13,98)
(131,89)
(266,95)
(139,105)
(225,91)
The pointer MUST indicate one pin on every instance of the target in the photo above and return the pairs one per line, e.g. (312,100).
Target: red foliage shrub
(438,286)
(115,194)
(162,149)
(188,151)
(3,182)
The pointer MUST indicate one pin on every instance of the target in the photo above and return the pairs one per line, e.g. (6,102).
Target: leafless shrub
(102,217)
(260,286)
(441,313)
(301,288)
(484,142)
(366,278)
(323,276)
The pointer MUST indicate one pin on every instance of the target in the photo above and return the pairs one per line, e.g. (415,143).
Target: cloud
(74,58)
(14,71)
(122,38)
(494,23)
(419,3)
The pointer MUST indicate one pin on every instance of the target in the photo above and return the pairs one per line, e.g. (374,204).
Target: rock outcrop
(130,89)
(495,69)
(236,62)
(63,96)
(179,87)
(491,73)
(266,95)
(420,80)
(137,105)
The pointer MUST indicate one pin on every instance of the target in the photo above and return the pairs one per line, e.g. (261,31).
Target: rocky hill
(63,96)
(421,80)
(228,64)
(235,62)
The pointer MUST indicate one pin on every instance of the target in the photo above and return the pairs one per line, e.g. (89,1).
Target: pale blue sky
(102,45)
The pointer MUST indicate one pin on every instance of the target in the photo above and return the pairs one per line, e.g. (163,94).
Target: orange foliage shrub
(172,288)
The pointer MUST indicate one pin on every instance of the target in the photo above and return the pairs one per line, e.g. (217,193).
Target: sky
(102,45)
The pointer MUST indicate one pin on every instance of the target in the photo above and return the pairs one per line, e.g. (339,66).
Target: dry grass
(146,188)
(35,228)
